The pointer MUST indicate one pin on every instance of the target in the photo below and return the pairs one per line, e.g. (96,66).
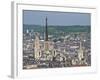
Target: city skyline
(56,46)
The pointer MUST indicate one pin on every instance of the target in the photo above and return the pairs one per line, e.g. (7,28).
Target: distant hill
(53,29)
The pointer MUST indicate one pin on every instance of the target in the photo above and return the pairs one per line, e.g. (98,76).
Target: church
(45,51)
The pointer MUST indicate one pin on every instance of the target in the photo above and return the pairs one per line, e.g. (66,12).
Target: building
(37,46)
(80,54)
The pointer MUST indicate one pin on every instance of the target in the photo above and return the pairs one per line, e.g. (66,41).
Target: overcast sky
(56,18)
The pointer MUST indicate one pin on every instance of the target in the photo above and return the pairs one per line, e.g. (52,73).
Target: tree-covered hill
(57,29)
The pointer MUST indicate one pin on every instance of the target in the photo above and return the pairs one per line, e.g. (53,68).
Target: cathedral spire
(46,30)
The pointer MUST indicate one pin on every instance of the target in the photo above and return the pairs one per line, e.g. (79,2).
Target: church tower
(46,43)
(37,46)
(80,54)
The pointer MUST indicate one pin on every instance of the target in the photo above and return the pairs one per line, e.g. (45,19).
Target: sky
(56,18)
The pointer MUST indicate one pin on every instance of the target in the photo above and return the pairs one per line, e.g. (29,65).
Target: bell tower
(80,54)
(37,46)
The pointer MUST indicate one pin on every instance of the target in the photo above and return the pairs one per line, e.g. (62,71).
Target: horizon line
(57,25)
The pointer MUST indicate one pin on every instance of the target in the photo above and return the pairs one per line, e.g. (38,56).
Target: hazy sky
(56,18)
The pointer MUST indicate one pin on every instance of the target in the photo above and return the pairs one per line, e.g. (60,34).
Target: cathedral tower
(80,54)
(46,44)
(37,46)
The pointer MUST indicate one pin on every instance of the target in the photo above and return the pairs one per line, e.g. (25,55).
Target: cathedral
(45,51)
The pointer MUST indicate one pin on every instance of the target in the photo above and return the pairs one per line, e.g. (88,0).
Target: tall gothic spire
(46,30)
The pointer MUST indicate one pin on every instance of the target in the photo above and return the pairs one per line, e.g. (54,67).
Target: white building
(37,46)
